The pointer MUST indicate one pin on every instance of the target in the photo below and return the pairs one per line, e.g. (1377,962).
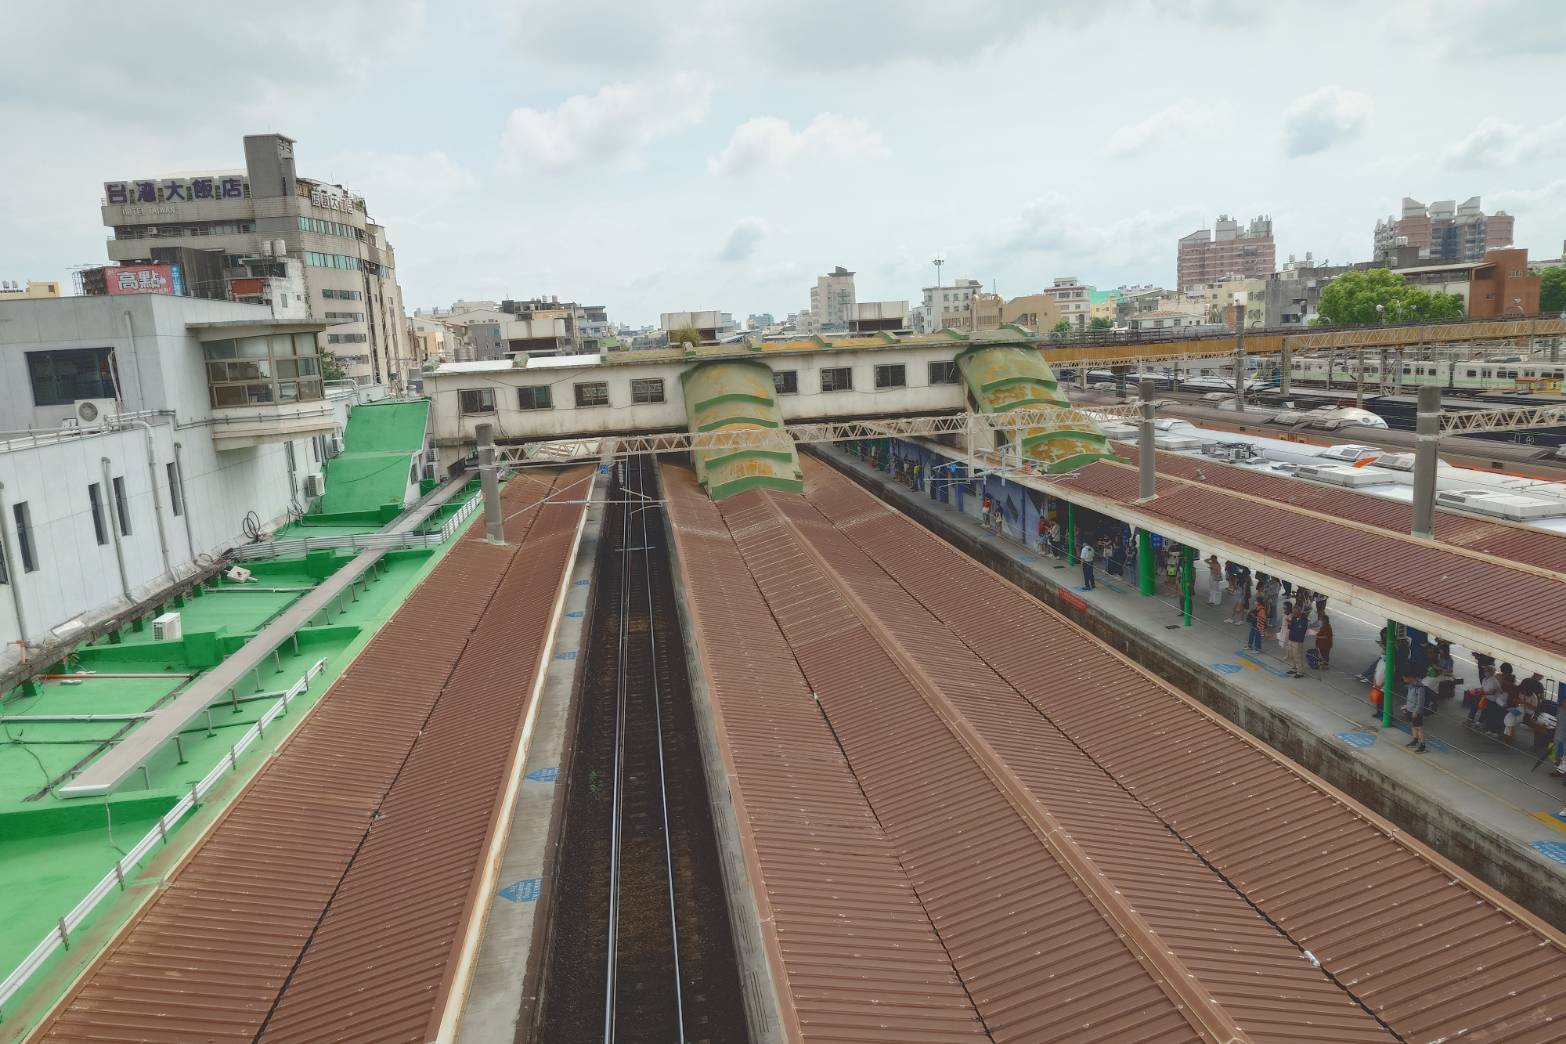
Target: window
(95,501)
(592,393)
(647,390)
(890,376)
(837,378)
(535,398)
(122,506)
(476,400)
(176,502)
(786,382)
(250,371)
(24,536)
(943,373)
(62,376)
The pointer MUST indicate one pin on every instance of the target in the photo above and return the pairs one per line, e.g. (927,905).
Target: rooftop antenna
(938,262)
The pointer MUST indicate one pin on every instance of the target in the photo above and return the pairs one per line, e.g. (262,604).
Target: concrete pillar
(1146,563)
(1145,452)
(489,478)
(1239,359)
(1426,443)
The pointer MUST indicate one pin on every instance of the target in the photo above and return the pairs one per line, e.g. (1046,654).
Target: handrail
(60,935)
(357,541)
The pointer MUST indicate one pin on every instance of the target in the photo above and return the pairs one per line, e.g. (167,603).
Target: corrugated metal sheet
(850,942)
(1514,542)
(1432,952)
(380,963)
(1487,593)
(207,958)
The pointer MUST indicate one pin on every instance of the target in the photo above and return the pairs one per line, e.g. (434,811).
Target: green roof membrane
(1008,376)
(730,395)
(379,448)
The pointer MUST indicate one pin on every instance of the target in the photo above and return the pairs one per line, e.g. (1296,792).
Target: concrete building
(712,325)
(950,307)
(832,301)
(139,433)
(1036,312)
(1499,285)
(1074,300)
(268,210)
(13,290)
(1226,250)
(1215,302)
(879,316)
(1148,322)
(1290,296)
(1445,230)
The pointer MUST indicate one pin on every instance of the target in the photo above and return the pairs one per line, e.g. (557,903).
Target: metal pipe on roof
(1427,440)
(157,501)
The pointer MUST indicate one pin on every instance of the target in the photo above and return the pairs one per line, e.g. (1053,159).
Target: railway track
(639,947)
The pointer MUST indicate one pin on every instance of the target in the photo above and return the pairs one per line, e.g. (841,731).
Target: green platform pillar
(1187,582)
(1145,562)
(1071,535)
(1389,680)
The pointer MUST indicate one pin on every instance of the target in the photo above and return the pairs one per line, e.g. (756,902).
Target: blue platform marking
(575,614)
(1030,558)
(582,582)
(1225,668)
(544,775)
(1555,850)
(1253,658)
(568,655)
(1430,741)
(1358,739)
(522,891)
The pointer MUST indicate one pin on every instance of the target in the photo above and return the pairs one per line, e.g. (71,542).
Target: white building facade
(350,272)
(209,421)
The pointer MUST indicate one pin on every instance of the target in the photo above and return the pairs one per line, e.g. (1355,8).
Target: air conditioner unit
(238,574)
(167,628)
(94,413)
(315,485)
(336,445)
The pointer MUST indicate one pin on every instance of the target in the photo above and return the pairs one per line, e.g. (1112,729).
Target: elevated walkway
(731,395)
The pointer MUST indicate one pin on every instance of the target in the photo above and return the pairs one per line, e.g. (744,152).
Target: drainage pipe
(116,523)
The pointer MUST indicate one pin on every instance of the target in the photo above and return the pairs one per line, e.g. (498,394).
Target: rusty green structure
(1004,375)
(732,394)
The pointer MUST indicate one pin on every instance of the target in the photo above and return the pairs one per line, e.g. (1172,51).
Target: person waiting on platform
(1323,639)
(1057,545)
(1242,600)
(1499,690)
(1215,581)
(1414,706)
(1086,555)
(1258,626)
(1297,624)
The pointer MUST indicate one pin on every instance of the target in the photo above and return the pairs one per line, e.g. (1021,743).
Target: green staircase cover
(379,448)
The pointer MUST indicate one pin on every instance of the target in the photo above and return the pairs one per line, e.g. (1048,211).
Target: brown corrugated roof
(206,959)
(1431,951)
(1517,543)
(848,939)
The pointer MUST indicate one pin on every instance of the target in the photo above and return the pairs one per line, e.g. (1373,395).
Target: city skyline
(609,166)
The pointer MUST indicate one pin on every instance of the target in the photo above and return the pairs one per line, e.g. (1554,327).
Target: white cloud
(767,141)
(615,124)
(1323,119)
(744,239)
(1183,118)
(400,187)
(1497,143)
(1050,226)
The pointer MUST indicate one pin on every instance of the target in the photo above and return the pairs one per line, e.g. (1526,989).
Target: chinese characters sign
(174,190)
(144,279)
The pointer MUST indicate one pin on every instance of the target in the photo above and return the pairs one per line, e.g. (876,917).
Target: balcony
(264,382)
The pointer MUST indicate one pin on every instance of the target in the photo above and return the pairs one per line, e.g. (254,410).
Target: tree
(1061,329)
(1351,300)
(1102,323)
(1552,290)
(685,335)
(332,368)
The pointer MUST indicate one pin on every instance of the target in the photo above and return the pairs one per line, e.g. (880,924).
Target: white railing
(357,542)
(60,935)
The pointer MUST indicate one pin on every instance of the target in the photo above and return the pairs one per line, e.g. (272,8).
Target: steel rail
(611,969)
(663,781)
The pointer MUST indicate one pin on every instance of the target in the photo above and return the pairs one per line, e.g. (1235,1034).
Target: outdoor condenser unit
(167,628)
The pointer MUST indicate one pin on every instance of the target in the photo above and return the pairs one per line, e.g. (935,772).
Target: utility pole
(1283,368)
(1359,377)
(1427,435)
(1146,453)
(1239,352)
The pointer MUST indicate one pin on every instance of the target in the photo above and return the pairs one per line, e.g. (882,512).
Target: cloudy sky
(721,153)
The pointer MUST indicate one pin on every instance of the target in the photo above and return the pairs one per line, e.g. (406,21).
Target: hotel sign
(174,190)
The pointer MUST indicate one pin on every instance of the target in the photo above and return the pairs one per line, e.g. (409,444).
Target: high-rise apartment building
(1445,230)
(832,301)
(269,211)
(1225,251)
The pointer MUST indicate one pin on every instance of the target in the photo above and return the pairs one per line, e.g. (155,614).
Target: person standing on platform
(1323,640)
(1414,705)
(1086,556)
(1215,584)
(1258,626)
(1298,624)
(1056,546)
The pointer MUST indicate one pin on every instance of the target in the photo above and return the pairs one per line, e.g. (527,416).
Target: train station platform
(1491,806)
